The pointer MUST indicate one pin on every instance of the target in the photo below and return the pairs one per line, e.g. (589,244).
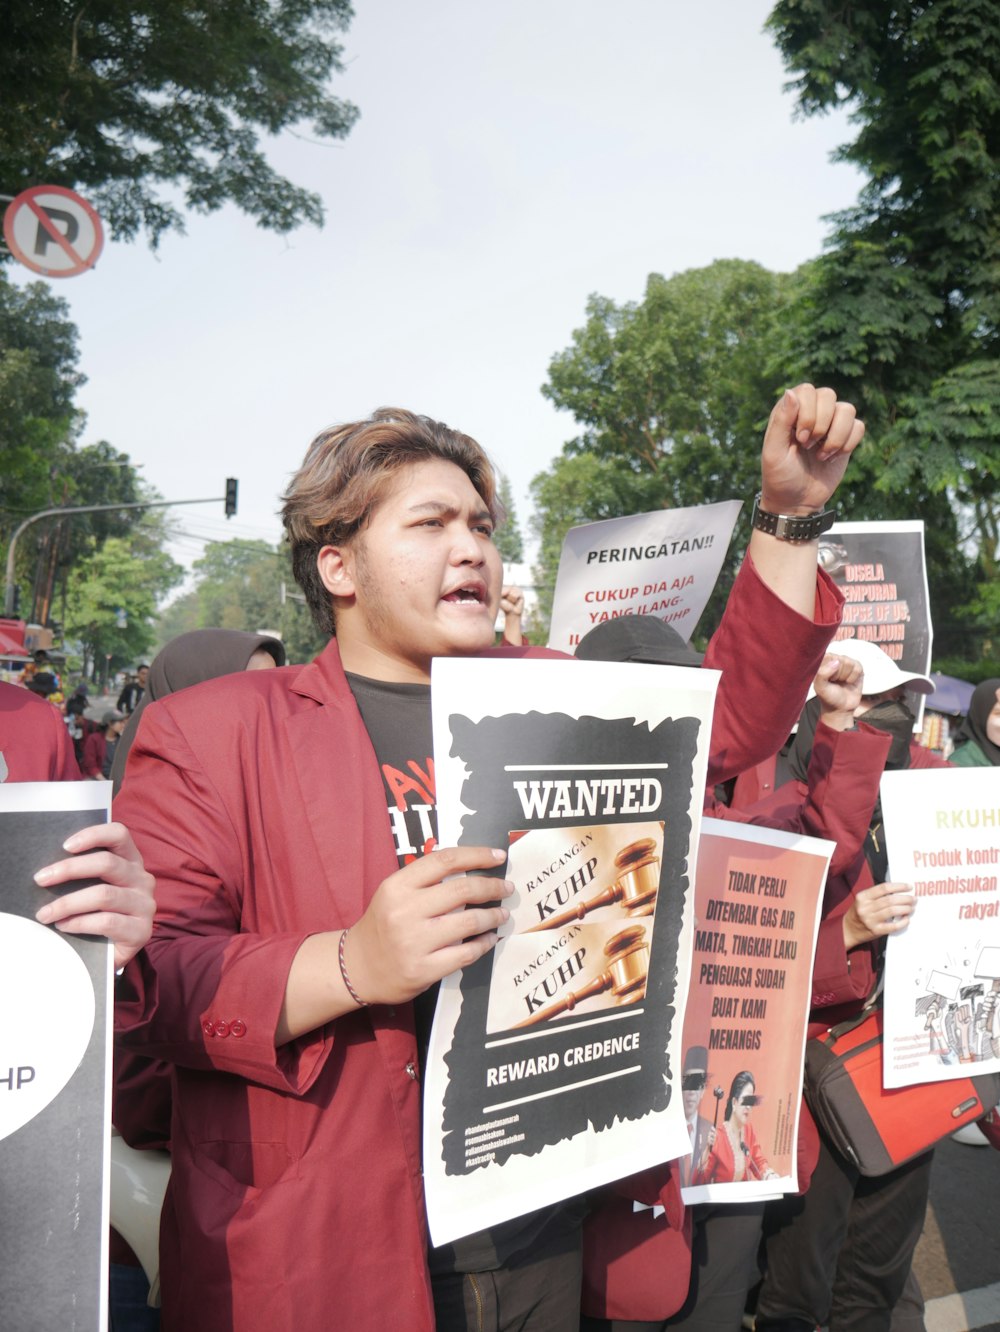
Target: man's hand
(416,930)
(421,925)
(884,909)
(119,905)
(810,437)
(512,605)
(839,685)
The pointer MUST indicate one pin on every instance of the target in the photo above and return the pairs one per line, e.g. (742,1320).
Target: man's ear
(335,566)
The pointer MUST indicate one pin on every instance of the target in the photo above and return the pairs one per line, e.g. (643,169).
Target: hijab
(984,700)
(895,719)
(189,659)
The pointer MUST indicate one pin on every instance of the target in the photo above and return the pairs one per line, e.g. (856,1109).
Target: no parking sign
(51,230)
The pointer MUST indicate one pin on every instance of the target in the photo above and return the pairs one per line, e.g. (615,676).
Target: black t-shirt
(397,718)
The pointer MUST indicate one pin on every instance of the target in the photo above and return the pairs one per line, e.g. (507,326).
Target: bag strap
(871,1005)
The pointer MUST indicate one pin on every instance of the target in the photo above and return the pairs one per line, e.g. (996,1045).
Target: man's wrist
(798,523)
(838,720)
(345,977)
(773,505)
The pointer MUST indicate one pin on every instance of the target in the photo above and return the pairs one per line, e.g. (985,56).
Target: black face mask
(895,718)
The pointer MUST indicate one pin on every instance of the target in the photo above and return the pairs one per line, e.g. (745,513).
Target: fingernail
(44,914)
(498,855)
(508,887)
(504,913)
(44,875)
(803,436)
(71,843)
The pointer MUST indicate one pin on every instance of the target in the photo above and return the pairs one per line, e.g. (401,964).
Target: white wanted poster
(554,1061)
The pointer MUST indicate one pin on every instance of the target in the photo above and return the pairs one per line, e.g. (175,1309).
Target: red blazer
(720,1167)
(296,1194)
(34,743)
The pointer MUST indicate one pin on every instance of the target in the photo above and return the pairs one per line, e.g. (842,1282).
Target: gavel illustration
(628,966)
(637,882)
(719,1094)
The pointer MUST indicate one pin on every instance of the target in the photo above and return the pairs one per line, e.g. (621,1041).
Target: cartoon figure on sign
(932,1008)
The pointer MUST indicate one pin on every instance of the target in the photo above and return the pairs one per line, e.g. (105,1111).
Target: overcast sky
(510,159)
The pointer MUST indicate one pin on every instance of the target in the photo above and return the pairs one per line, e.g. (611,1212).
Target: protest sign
(758,894)
(664,564)
(942,973)
(881,570)
(553,1062)
(55,1072)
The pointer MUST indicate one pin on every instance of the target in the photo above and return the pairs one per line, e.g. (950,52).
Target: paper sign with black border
(553,1060)
(881,570)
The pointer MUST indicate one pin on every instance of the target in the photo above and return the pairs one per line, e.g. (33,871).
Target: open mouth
(472,594)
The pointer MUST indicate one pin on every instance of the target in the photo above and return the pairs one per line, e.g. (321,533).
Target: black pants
(840,1255)
(540,1294)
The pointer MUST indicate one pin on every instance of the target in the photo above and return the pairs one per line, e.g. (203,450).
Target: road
(958,1258)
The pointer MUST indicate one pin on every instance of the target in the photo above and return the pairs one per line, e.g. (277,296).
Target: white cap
(881,672)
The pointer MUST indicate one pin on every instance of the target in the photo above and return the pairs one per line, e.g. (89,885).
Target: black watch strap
(788,527)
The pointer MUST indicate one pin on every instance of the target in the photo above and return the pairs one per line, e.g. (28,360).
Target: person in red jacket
(304,910)
(95,764)
(840,1254)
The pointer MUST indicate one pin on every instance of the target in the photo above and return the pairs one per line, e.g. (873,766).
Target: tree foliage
(508,537)
(238,585)
(902,312)
(111,598)
(42,465)
(671,394)
(118,99)
(38,380)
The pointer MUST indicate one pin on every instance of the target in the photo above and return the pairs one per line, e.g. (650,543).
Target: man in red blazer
(303,910)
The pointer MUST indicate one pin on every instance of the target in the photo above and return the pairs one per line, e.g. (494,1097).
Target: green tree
(111,599)
(179,617)
(243,585)
(41,464)
(38,380)
(93,474)
(118,99)
(902,312)
(508,537)
(671,395)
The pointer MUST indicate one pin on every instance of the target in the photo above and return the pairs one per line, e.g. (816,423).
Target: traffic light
(232,485)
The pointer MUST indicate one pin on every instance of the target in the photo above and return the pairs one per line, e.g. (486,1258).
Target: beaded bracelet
(362,1003)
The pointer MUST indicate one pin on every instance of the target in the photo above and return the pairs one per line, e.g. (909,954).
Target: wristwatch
(788,527)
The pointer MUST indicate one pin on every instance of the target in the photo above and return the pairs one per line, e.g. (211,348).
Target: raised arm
(809,439)
(782,611)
